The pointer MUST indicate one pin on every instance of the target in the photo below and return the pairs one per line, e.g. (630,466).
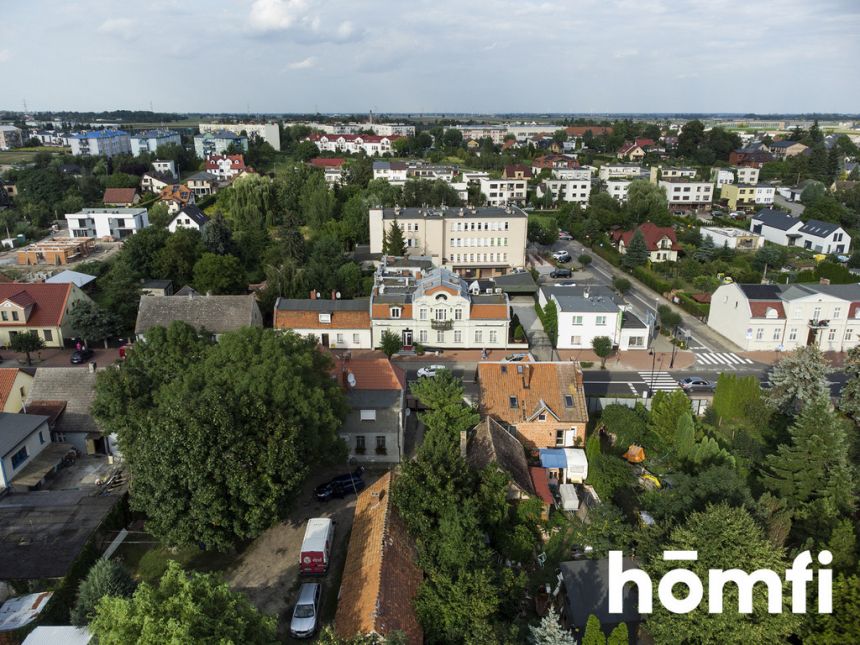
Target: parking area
(267,572)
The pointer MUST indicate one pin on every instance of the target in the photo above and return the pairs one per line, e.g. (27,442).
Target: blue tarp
(553,458)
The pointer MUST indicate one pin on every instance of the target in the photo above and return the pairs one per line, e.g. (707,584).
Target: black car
(81,356)
(561,272)
(340,486)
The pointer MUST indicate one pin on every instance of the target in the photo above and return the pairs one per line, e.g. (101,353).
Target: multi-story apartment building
(737,195)
(394,172)
(677,173)
(566,190)
(370,144)
(501,192)
(150,140)
(268,132)
(571,173)
(102,143)
(617,171)
(738,174)
(617,189)
(686,192)
(764,194)
(381,129)
(475,242)
(117,223)
(766,317)
(477,132)
(436,309)
(10,137)
(782,228)
(226,167)
(216,142)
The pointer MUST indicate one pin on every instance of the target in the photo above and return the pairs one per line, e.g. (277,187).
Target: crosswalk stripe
(722,358)
(659,381)
(704,358)
(731,359)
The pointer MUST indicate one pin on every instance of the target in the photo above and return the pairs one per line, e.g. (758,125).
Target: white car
(430,371)
(561,256)
(304,622)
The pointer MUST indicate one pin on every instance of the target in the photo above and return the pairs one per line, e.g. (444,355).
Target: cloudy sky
(432,55)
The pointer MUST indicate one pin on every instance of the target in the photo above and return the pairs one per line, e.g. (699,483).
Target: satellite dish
(350,379)
(318,294)
(337,295)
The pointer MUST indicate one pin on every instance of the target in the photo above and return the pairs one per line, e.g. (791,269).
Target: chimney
(333,294)
(313,294)
(464,443)
(527,376)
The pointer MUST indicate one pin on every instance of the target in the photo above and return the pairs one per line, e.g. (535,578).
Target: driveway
(795,208)
(541,346)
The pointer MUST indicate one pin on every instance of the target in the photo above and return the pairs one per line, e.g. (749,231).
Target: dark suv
(561,272)
(340,486)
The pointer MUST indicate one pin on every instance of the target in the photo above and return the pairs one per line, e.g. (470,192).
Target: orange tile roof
(384,310)
(372,373)
(177,193)
(489,312)
(119,195)
(311,320)
(49,307)
(7,382)
(380,578)
(535,386)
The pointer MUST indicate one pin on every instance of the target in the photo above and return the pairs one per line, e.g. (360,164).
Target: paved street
(540,343)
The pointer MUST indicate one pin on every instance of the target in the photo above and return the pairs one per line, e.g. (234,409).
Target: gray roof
(580,303)
(849,292)
(572,298)
(586,583)
(187,290)
(441,277)
(760,291)
(202,176)
(216,314)
(322,304)
(156,284)
(15,428)
(452,212)
(818,228)
(522,282)
(492,444)
(76,386)
(776,218)
(629,320)
(75,277)
(193,213)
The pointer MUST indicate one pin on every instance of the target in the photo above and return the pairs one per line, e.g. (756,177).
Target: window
(792,334)
(458,336)
(356,339)
(832,335)
(816,313)
(339,340)
(458,314)
(19,457)
(422,314)
(493,335)
(577,320)
(479,336)
(576,340)
(380,445)
(837,311)
(359,444)
(368,415)
(422,336)
(6,317)
(600,321)
(512,401)
(48,335)
(41,437)
(14,315)
(440,314)
(559,437)
(776,333)
(568,401)
(395,312)
(542,416)
(759,333)
(440,336)
(848,333)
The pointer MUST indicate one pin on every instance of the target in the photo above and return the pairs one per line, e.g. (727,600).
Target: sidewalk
(57,357)
(632,361)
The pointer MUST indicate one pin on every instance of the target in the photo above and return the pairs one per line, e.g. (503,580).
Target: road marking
(660,381)
(633,389)
(722,358)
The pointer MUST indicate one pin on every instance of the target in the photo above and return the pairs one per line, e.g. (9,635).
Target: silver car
(304,622)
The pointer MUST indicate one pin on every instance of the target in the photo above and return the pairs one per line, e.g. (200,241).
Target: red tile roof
(511,171)
(7,382)
(49,302)
(652,234)
(642,143)
(320,162)
(177,193)
(759,308)
(541,483)
(372,373)
(237,162)
(119,196)
(626,148)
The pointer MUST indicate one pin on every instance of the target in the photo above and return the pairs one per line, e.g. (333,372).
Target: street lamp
(674,346)
(653,360)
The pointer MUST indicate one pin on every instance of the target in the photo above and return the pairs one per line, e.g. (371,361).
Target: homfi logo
(798,575)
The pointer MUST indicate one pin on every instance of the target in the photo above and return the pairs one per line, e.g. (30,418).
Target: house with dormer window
(661,241)
(38,308)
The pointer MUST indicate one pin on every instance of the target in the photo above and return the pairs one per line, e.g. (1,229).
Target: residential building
(431,172)
(631,152)
(15,385)
(517,171)
(496,133)
(492,446)
(48,137)
(75,277)
(582,174)
(376,395)
(766,317)
(225,167)
(687,192)
(541,404)
(335,323)
(123,197)
(754,155)
(740,174)
(268,132)
(586,312)
(764,194)
(155,182)
(332,167)
(474,242)
(23,437)
(661,241)
(780,227)
(677,173)
(501,192)
(215,314)
(747,174)
(722,176)
(381,576)
(617,189)
(566,190)
(38,308)
(738,195)
(188,217)
(736,239)
(56,251)
(617,171)
(10,137)
(383,129)
(552,162)
(785,149)
(214,142)
(436,310)
(394,172)
(370,144)
(101,143)
(149,140)
(165,166)
(117,223)
(578,131)
(201,184)
(177,197)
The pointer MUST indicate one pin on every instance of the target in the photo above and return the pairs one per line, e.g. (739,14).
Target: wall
(34,447)
(364,337)
(541,434)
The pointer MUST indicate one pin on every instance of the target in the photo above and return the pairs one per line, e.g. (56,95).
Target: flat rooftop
(452,212)
(729,232)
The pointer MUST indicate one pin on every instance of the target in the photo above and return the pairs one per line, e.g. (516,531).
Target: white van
(316,546)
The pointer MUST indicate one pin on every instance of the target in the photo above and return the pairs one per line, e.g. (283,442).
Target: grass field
(26,155)
(147,559)
(185,123)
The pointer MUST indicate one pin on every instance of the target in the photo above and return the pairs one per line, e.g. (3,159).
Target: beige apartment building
(474,242)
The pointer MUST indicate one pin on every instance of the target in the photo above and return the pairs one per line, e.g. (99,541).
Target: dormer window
(14,315)
(325,318)
(568,401)
(770,312)
(395,312)
(542,416)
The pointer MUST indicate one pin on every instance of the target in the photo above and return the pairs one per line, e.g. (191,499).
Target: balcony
(441,325)
(818,324)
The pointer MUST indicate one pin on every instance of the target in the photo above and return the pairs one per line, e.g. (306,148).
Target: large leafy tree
(91,322)
(602,346)
(105,578)
(175,261)
(725,538)
(220,274)
(183,608)
(26,343)
(217,236)
(647,202)
(218,438)
(798,378)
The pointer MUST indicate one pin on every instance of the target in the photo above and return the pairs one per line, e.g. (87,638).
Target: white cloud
(278,15)
(307,63)
(116,26)
(5,55)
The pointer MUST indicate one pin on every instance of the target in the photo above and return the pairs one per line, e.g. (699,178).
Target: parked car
(561,272)
(430,371)
(81,355)
(696,384)
(738,215)
(340,486)
(304,622)
(564,235)
(514,358)
(316,546)
(561,256)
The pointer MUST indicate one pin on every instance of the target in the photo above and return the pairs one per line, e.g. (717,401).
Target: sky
(432,55)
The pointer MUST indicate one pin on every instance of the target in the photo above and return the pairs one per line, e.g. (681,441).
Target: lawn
(26,155)
(147,558)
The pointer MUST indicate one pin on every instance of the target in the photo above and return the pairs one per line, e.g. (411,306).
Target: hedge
(609,254)
(698,309)
(647,277)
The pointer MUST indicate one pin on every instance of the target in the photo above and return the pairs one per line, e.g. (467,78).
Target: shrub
(105,578)
(647,277)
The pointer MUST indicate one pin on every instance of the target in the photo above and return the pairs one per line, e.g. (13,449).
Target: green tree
(140,250)
(593,632)
(550,321)
(706,250)
(841,626)
(105,578)
(393,243)
(584,259)
(602,346)
(390,343)
(216,235)
(550,632)
(26,342)
(849,402)
(219,274)
(252,414)
(619,635)
(158,215)
(636,254)
(725,538)
(692,136)
(91,322)
(798,378)
(183,608)
(647,202)
(176,259)
(120,292)
(622,285)
(666,409)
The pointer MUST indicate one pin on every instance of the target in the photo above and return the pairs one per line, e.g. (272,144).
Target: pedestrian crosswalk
(721,358)
(659,381)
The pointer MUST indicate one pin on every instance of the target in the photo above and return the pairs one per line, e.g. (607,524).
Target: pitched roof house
(15,385)
(661,241)
(125,197)
(780,227)
(189,217)
(542,403)
(176,196)
(214,314)
(41,308)
(380,578)
(341,324)
(517,171)
(630,151)
(493,445)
